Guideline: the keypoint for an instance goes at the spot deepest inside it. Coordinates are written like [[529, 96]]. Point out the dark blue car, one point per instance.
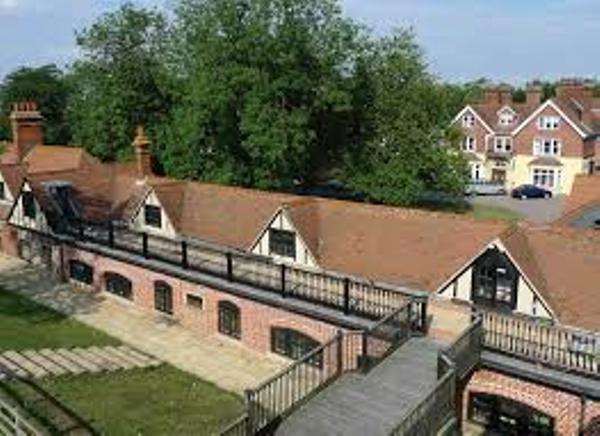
[[530, 191]]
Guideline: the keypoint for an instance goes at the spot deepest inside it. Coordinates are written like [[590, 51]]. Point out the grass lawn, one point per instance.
[[28, 325], [158, 401], [485, 212], [155, 401]]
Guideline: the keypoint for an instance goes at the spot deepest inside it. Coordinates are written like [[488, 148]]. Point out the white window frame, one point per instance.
[[548, 122], [468, 120], [476, 171], [503, 144], [547, 147], [506, 119], [552, 177], [469, 143]]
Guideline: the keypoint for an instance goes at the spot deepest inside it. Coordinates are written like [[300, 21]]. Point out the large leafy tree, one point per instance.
[[120, 81], [410, 152], [266, 90], [45, 85]]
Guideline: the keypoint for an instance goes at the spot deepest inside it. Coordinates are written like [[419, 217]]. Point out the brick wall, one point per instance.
[[565, 408], [256, 319]]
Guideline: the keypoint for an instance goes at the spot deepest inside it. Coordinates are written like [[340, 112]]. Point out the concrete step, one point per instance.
[[34, 369], [69, 365], [48, 365], [13, 367], [77, 359]]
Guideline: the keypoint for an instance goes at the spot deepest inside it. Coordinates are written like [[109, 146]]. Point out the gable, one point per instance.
[[551, 108], [19, 216], [282, 221], [139, 218], [468, 110]]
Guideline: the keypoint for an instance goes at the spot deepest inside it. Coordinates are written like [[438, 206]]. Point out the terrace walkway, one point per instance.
[[217, 360], [370, 404]]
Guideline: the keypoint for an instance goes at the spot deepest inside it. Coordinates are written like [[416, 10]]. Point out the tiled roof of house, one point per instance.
[[489, 114], [584, 195], [563, 265]]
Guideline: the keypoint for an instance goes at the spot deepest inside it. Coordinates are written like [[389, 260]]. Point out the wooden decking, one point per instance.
[[358, 405]]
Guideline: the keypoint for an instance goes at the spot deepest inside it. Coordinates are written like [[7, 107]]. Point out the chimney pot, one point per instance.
[[143, 155]]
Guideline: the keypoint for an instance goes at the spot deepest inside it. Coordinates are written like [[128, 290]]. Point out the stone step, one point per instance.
[[102, 359], [13, 367], [62, 361], [147, 359], [110, 353], [45, 363], [34, 369], [90, 359], [78, 360], [140, 362]]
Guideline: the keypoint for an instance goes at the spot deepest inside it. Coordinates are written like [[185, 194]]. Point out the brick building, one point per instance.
[[282, 274]]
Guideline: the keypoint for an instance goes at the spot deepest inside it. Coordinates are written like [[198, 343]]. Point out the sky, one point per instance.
[[503, 40]]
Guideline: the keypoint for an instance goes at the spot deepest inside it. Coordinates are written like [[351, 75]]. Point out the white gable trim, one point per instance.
[[505, 108], [554, 106], [469, 108], [498, 244], [281, 211], [167, 226]]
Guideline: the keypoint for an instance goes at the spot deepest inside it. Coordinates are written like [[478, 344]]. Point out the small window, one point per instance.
[[119, 285], [195, 301], [282, 243], [293, 344], [163, 297], [153, 216], [29, 205], [230, 320], [468, 120], [548, 123], [469, 144], [2, 191], [81, 272]]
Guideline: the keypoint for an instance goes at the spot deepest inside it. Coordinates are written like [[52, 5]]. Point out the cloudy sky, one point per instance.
[[511, 40]]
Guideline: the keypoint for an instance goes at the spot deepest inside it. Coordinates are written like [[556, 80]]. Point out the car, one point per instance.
[[530, 191], [480, 187]]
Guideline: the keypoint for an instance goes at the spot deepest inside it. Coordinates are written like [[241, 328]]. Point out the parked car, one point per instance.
[[482, 187], [530, 191]]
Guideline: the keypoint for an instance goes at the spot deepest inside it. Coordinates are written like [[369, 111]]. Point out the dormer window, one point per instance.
[[506, 119], [468, 120], [548, 123], [495, 281], [282, 243], [153, 216], [469, 144], [29, 209]]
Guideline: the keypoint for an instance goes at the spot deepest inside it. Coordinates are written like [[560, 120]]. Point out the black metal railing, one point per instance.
[[438, 408], [555, 346], [270, 402], [351, 295]]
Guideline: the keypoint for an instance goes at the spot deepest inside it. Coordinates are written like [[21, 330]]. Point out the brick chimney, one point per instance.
[[534, 94], [491, 95], [143, 155], [505, 93], [27, 129], [574, 88]]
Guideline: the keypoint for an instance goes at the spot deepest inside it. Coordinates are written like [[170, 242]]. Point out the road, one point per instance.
[[535, 210]]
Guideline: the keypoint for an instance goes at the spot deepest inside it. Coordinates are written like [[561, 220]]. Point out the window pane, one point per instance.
[[163, 297], [229, 320], [195, 301], [282, 243], [29, 205], [116, 284], [81, 272], [152, 216]]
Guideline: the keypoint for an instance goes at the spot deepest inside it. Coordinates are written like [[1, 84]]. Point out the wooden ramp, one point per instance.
[[371, 404]]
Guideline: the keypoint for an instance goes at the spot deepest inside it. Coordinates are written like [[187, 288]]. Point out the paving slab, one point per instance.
[[79, 360], [45, 363], [34, 369], [147, 360], [13, 367], [62, 361], [96, 355], [140, 363], [125, 363]]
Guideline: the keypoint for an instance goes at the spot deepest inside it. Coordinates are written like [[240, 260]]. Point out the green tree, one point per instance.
[[411, 151], [120, 81], [45, 85], [266, 90]]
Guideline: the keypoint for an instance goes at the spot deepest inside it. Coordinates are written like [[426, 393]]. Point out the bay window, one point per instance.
[[548, 178]]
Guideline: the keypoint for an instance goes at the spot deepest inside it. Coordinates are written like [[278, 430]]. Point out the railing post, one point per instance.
[[250, 409], [229, 267], [184, 255], [283, 280], [365, 351], [346, 296], [423, 316], [340, 352], [111, 234], [145, 244]]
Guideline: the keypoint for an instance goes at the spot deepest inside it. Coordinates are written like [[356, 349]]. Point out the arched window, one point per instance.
[[116, 284], [292, 343], [505, 416], [163, 297], [495, 281], [230, 320], [81, 272]]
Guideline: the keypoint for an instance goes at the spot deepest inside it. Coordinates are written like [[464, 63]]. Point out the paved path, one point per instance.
[[220, 361], [60, 362], [372, 404], [534, 210]]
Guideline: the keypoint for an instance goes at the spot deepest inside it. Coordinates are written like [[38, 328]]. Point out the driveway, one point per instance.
[[226, 364], [534, 210]]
